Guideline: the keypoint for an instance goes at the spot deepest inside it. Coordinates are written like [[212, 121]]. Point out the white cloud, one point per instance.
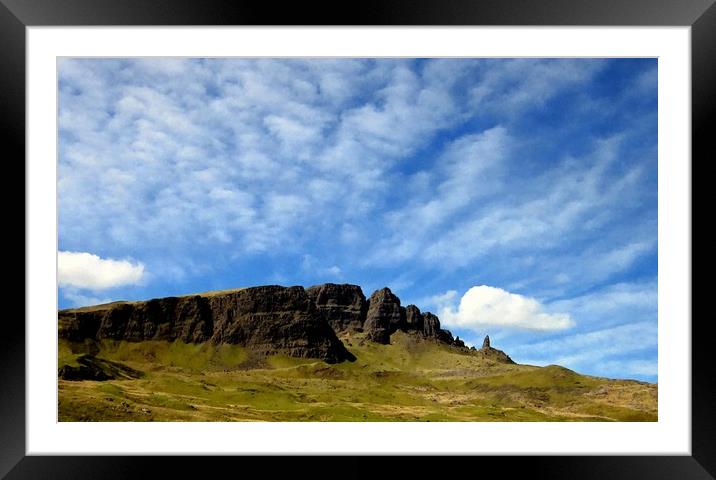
[[313, 267], [234, 158], [468, 170], [608, 350], [615, 304], [460, 213], [158, 145], [80, 300], [621, 368], [509, 87], [442, 301], [483, 306], [85, 270]]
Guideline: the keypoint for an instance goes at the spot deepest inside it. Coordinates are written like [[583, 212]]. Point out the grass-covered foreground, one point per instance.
[[409, 380]]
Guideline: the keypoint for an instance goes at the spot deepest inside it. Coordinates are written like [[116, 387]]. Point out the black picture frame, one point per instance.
[[16, 15]]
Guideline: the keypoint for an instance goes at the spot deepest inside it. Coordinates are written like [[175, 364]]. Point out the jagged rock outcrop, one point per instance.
[[344, 306], [267, 319], [445, 336], [431, 325], [413, 318], [384, 316], [492, 353]]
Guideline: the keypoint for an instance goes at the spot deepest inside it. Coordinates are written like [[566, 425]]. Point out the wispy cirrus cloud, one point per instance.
[[537, 176], [598, 350]]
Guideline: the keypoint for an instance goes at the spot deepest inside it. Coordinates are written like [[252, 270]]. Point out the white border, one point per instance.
[[670, 435]]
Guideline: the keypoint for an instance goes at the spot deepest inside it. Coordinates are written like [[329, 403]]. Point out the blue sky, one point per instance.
[[512, 197]]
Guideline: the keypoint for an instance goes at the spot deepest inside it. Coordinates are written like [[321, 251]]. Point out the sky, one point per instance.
[[511, 197]]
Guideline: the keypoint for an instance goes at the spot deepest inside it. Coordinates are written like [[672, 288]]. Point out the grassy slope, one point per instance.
[[410, 380]]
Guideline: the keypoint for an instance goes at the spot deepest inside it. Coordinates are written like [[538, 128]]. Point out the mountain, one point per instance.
[[275, 353], [268, 320]]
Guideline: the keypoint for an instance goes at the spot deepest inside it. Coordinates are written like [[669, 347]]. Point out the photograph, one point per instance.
[[355, 239]]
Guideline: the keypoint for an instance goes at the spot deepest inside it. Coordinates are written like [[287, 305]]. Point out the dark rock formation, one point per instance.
[[93, 368], [445, 336], [431, 325], [384, 316], [275, 319], [344, 306], [413, 318], [268, 320], [492, 353], [173, 318]]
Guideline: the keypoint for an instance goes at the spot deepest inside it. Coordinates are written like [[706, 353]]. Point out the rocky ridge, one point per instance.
[[268, 320]]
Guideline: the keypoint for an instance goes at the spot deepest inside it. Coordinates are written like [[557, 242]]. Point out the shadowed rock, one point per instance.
[[445, 336], [172, 318], [413, 318], [384, 316], [98, 369], [268, 320], [344, 306], [431, 325], [492, 353]]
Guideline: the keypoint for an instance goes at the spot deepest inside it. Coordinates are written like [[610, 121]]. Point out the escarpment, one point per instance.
[[344, 306], [384, 316], [347, 309], [267, 319]]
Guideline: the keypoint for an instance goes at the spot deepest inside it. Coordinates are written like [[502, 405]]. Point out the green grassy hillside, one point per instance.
[[409, 380]]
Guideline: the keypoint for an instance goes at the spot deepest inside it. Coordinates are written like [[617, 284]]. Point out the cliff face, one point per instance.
[[269, 319], [344, 306], [384, 315]]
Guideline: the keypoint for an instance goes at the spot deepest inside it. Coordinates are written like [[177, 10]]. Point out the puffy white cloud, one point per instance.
[[484, 306], [88, 271]]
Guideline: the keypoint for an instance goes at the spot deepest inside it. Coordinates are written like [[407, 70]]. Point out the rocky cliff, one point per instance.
[[384, 316], [344, 306], [268, 320]]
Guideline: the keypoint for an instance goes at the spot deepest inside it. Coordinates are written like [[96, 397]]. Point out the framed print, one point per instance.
[[418, 229]]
